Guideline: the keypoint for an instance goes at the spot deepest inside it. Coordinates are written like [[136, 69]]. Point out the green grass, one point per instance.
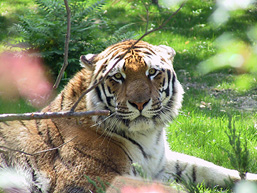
[[200, 128], [9, 11], [204, 136], [15, 106]]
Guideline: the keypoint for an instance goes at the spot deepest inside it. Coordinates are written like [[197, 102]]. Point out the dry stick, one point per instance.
[[147, 17], [66, 46], [48, 115], [131, 47], [36, 153]]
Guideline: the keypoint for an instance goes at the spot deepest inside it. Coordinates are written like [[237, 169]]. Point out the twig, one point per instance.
[[38, 152], [66, 46], [131, 47], [48, 115], [147, 17]]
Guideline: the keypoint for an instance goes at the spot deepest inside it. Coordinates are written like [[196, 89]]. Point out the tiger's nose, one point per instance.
[[139, 105]]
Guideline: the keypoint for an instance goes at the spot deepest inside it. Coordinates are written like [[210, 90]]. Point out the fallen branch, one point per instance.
[[131, 47], [50, 115], [36, 153]]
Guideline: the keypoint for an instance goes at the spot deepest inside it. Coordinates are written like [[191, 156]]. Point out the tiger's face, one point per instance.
[[141, 92]]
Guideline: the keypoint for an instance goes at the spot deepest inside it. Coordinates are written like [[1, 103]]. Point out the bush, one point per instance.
[[44, 29]]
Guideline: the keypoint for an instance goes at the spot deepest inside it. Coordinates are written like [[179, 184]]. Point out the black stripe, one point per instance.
[[108, 99], [104, 69], [62, 99], [147, 53], [99, 94], [194, 173], [109, 89], [37, 127], [159, 134], [122, 107], [124, 68], [49, 138], [74, 91], [159, 173], [167, 90], [22, 123], [81, 83], [73, 189], [4, 122], [174, 91], [178, 172], [173, 84], [118, 144], [130, 159], [34, 177], [58, 131], [146, 156], [124, 112], [163, 83], [126, 122], [134, 171]]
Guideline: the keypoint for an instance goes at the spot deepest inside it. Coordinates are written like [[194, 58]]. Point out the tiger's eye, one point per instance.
[[152, 71], [118, 76]]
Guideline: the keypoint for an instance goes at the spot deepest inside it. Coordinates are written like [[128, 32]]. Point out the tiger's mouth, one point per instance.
[[147, 113], [141, 118], [132, 120], [139, 122]]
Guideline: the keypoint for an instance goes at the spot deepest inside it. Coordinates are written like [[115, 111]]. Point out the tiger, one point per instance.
[[140, 89]]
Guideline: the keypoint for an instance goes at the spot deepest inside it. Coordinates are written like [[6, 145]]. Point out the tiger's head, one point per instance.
[[141, 92]]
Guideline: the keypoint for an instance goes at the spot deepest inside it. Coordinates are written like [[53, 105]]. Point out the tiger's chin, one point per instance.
[[139, 124]]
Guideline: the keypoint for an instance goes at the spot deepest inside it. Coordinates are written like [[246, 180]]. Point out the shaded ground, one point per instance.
[[229, 98]]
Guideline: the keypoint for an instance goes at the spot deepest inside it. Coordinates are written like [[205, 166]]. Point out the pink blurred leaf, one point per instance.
[[22, 75]]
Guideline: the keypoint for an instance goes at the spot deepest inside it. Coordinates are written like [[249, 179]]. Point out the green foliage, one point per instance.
[[140, 170], [191, 187], [99, 189], [15, 106], [239, 156], [45, 28]]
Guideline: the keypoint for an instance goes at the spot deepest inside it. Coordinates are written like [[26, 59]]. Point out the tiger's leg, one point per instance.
[[196, 170]]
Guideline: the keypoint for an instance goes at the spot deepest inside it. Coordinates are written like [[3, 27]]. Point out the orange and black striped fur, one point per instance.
[[142, 93]]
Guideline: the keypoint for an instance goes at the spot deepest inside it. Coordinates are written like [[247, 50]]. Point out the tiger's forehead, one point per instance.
[[133, 62], [142, 57]]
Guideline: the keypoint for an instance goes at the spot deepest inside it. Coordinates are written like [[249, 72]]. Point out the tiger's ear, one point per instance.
[[167, 51], [87, 61]]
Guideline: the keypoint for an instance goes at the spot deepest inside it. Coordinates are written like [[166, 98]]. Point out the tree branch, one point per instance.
[[48, 115], [131, 47], [66, 46], [147, 16]]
